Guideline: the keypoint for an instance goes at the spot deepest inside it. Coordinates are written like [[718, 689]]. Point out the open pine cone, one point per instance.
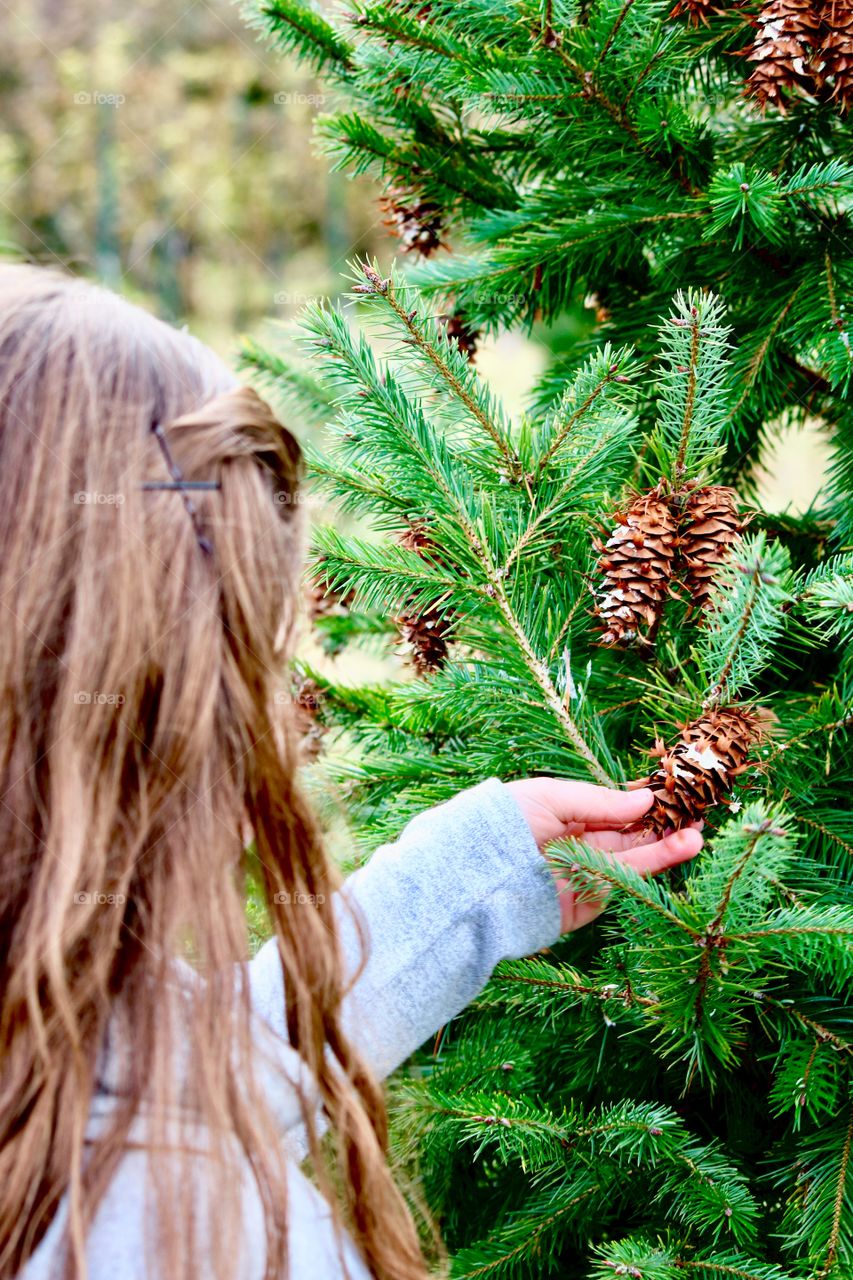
[[307, 699], [788, 32], [416, 221], [697, 10], [637, 564], [836, 18], [699, 771], [426, 635], [711, 526]]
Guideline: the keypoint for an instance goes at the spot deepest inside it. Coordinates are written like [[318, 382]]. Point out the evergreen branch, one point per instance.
[[583, 863], [692, 386], [529, 1243], [825, 831], [513, 973], [600, 373], [745, 618], [293, 26], [591, 89], [614, 31], [745, 1271], [838, 1206], [712, 940], [761, 354], [839, 324], [747, 611], [690, 398], [640, 1259], [287, 380], [386, 290], [822, 1034], [565, 629], [794, 931], [540, 673]]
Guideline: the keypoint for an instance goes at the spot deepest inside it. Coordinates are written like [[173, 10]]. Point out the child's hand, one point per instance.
[[555, 809]]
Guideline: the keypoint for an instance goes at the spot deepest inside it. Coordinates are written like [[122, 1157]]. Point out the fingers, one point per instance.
[[650, 859], [584, 802], [616, 841]]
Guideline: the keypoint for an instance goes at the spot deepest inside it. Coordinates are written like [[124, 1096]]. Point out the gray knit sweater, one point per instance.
[[463, 887]]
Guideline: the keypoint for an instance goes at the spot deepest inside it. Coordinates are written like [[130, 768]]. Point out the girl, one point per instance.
[[158, 1092]]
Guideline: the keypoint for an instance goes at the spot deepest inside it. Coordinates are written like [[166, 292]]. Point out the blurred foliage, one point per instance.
[[169, 155]]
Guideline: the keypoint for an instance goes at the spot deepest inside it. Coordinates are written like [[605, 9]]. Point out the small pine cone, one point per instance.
[[416, 221], [697, 11], [637, 563], [711, 526], [427, 637], [788, 33], [465, 336], [417, 537], [700, 770], [307, 699], [837, 51]]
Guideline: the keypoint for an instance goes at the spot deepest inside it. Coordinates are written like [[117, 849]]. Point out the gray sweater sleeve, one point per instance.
[[463, 888]]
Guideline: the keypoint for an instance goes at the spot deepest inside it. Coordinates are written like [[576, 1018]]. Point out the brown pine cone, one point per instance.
[[307, 699], [836, 41], [700, 770], [417, 222], [697, 11], [425, 635], [637, 564], [710, 528], [783, 51]]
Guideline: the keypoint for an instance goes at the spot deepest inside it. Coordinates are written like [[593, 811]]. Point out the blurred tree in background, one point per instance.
[[169, 155]]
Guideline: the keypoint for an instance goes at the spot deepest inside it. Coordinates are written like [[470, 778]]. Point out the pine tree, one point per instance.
[[668, 1092], [614, 150]]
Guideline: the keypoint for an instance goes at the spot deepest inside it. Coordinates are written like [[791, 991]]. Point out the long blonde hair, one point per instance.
[[142, 669]]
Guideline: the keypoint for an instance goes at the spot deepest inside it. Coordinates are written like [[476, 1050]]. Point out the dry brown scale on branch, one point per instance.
[[417, 222], [307, 699], [637, 564], [711, 527], [464, 335], [700, 770]]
